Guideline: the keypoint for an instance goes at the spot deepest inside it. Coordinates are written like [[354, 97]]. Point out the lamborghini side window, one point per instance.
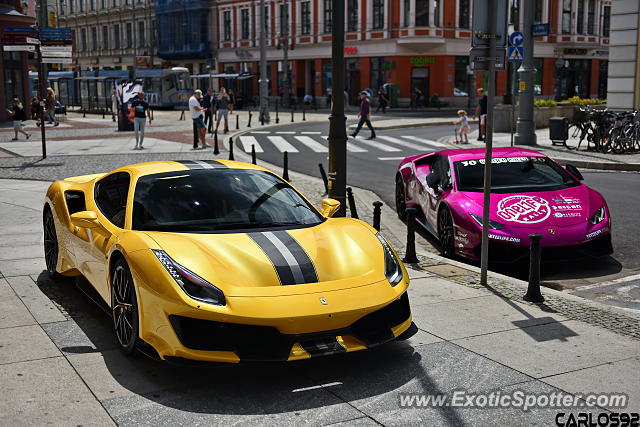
[[111, 197], [441, 167]]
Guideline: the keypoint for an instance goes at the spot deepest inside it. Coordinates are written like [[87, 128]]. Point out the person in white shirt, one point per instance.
[[197, 113]]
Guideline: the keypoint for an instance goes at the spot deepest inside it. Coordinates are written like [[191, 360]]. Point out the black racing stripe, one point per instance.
[[190, 164], [279, 263], [298, 252], [216, 164]]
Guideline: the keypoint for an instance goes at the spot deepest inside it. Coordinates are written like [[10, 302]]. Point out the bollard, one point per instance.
[[410, 255], [103, 110], [376, 214], [262, 119], [533, 290], [285, 167], [237, 122], [231, 148], [352, 204], [277, 118], [249, 123], [152, 114], [291, 116], [304, 118], [253, 154], [216, 150], [84, 113], [323, 174]]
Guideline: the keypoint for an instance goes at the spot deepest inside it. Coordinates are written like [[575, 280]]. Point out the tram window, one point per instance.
[[151, 84], [182, 81], [169, 83]]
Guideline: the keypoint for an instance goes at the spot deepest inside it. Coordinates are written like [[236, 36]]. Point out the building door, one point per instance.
[[420, 80], [352, 80]]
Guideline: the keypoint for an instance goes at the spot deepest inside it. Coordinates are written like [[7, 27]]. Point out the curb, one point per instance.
[[414, 125]]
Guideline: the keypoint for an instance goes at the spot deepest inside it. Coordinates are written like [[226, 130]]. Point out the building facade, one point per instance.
[[110, 34], [624, 53], [14, 66], [410, 44]]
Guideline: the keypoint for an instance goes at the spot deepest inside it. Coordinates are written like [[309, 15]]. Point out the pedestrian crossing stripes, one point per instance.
[[292, 143]]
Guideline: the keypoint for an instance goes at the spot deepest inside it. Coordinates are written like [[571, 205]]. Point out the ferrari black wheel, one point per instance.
[[401, 201], [445, 232], [124, 306], [50, 242]]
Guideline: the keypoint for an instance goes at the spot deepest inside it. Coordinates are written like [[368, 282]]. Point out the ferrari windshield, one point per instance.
[[513, 174], [211, 200]]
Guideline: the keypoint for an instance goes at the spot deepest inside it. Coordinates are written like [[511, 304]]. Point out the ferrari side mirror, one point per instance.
[[329, 207], [85, 219], [574, 171], [433, 180]]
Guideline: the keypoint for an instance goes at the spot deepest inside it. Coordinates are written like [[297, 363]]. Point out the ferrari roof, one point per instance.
[[150, 168]]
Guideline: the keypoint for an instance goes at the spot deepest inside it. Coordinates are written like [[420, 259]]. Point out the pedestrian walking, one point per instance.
[[114, 105], [232, 101], [481, 110], [18, 115], [35, 109], [141, 111], [365, 115], [50, 106], [417, 97], [207, 102], [223, 103], [346, 101], [382, 101], [196, 115], [462, 127], [306, 101], [328, 92]]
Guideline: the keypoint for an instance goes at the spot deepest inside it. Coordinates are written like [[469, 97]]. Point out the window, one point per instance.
[[111, 197], [116, 36], [305, 12], [378, 14], [61, 7], [266, 20], [436, 13], [284, 19], [352, 15], [461, 78], [514, 14], [580, 17], [606, 21], [422, 13], [591, 17], [92, 4], [103, 4], [244, 24], [81, 2], [328, 15], [141, 38], [72, 4], [116, 3], [566, 16], [463, 14], [94, 38], [538, 11], [406, 10], [378, 72], [105, 37], [129, 34], [83, 39], [226, 23]]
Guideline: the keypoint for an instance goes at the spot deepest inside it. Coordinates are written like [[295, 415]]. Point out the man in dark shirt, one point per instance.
[[365, 115], [140, 113], [481, 110], [207, 102]]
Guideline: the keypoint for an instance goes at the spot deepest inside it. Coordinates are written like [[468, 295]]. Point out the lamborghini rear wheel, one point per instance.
[[445, 232], [401, 201], [124, 306], [50, 242]]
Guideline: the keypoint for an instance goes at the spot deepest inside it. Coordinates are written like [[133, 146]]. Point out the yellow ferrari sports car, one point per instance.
[[225, 261]]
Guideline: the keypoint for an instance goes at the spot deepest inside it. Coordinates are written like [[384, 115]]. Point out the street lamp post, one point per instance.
[[337, 120], [526, 128], [264, 80]]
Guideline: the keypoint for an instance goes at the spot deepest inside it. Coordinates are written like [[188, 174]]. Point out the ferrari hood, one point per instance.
[[549, 208], [339, 253]]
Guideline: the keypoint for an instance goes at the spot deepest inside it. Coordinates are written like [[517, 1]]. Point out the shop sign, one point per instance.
[[350, 50], [571, 51], [421, 61]]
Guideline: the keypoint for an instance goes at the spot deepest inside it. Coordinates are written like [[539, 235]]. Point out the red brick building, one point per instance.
[[409, 43]]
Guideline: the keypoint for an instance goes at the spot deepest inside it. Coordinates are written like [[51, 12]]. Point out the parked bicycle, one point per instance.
[[605, 131]]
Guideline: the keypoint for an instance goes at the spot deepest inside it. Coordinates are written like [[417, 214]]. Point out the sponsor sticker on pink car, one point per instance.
[[524, 209]]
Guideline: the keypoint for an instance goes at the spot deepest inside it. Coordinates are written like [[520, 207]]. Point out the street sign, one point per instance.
[[31, 40], [49, 33], [540, 30], [516, 53], [516, 38], [47, 60], [19, 48], [480, 25], [25, 30], [50, 50], [479, 59], [57, 54]]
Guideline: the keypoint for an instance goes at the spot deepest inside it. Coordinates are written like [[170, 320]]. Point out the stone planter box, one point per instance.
[[541, 116]]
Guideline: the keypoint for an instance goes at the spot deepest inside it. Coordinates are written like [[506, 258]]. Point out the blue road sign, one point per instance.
[[516, 53], [17, 29], [516, 38], [540, 30], [49, 33]]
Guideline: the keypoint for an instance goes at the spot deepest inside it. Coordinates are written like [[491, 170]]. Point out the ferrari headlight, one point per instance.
[[597, 217], [193, 285], [492, 224], [392, 268]]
